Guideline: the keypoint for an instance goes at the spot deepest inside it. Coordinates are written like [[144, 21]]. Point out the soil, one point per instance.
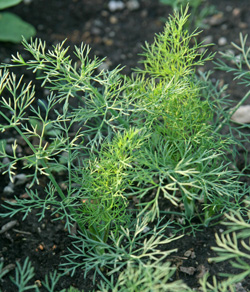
[[118, 36]]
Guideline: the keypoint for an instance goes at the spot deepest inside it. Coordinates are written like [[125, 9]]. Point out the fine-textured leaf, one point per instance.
[[12, 28]]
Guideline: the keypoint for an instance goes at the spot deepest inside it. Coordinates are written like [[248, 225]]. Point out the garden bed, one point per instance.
[[117, 35]]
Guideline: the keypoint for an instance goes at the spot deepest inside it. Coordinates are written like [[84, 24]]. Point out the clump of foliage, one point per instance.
[[153, 136], [238, 230], [233, 244], [147, 278]]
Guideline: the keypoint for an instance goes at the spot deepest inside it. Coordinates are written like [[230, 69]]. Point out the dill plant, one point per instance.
[[184, 159], [150, 136], [233, 244], [144, 278]]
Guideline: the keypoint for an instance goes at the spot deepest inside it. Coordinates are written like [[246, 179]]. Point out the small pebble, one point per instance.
[[144, 13], [133, 5], [98, 23], [115, 5], [229, 52], [40, 27], [96, 31], [243, 25], [229, 8], [9, 149], [240, 288], [224, 26], [7, 60], [123, 57], [222, 41], [112, 34], [108, 42], [104, 66], [104, 13], [242, 115], [146, 229], [46, 92], [20, 179], [216, 19], [113, 19], [237, 59], [236, 12], [19, 149], [6, 161], [8, 190], [208, 40], [10, 140]]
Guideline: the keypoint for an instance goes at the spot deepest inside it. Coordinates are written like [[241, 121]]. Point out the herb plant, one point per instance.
[[24, 274], [153, 136], [144, 278], [233, 244], [134, 246]]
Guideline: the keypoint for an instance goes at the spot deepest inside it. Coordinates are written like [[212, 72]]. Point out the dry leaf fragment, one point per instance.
[[7, 269], [239, 288], [188, 270], [8, 226], [24, 196], [202, 270], [216, 19], [38, 283], [188, 253]]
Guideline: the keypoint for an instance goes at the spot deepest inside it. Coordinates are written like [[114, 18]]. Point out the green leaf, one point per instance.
[[8, 3], [12, 28]]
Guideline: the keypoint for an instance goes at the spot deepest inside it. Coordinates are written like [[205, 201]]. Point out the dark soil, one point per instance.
[[118, 36]]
